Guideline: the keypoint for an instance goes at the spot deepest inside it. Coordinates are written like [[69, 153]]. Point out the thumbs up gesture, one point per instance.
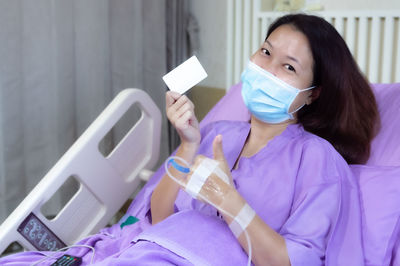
[[218, 184], [219, 156]]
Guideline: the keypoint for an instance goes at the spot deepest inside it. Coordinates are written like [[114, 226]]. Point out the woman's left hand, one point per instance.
[[215, 189]]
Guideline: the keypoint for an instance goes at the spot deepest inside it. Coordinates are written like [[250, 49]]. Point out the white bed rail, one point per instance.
[[105, 182], [373, 37]]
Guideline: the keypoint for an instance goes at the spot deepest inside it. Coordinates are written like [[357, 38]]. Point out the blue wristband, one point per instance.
[[178, 167]]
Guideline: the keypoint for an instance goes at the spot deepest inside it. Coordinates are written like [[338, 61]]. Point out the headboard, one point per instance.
[[372, 37]]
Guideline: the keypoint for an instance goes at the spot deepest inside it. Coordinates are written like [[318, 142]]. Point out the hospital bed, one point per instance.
[[107, 182]]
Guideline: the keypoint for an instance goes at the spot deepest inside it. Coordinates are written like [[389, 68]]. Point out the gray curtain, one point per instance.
[[182, 43], [62, 61]]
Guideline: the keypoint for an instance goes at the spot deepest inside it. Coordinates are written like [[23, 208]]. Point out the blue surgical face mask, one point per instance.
[[267, 97]]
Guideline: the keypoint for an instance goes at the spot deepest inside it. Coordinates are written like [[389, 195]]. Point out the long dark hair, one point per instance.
[[345, 113]]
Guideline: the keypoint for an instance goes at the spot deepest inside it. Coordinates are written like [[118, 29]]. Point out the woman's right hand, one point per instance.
[[180, 112]]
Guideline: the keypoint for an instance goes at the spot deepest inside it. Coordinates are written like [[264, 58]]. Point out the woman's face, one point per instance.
[[287, 54]]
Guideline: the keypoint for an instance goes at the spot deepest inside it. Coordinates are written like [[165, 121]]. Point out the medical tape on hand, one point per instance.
[[242, 220], [221, 174], [199, 176]]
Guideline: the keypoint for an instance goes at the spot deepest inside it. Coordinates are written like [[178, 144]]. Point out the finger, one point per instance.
[[217, 149], [171, 105], [185, 115], [183, 122], [219, 156], [175, 99], [181, 101], [172, 109], [171, 97], [182, 110]]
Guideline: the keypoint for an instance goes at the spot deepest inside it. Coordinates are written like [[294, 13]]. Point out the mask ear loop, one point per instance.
[[298, 108], [171, 161]]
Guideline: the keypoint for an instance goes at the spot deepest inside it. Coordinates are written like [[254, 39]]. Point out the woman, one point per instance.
[[333, 101], [312, 114]]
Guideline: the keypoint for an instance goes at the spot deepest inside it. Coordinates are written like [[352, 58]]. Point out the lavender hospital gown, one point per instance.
[[298, 184]]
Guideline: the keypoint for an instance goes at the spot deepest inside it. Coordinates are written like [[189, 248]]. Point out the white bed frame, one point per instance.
[[105, 182]]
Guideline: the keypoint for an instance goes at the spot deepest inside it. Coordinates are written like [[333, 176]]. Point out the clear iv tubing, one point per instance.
[[206, 200]]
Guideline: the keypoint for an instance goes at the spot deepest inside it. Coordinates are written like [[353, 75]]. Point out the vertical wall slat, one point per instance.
[[261, 21], [230, 56], [246, 32], [387, 63], [361, 43], [238, 39], [339, 25], [329, 18], [351, 34], [264, 26], [374, 50], [256, 25]]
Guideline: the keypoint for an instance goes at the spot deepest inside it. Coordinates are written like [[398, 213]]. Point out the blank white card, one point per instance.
[[185, 76]]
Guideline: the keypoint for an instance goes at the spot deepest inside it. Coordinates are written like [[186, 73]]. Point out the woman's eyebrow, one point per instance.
[[266, 41], [294, 59]]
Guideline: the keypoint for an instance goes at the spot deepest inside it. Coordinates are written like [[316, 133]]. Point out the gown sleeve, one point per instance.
[[315, 207]]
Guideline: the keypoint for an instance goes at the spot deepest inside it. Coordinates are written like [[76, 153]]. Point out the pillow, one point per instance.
[[230, 107], [385, 147], [380, 200]]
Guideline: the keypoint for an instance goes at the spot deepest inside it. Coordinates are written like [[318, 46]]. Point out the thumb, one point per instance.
[[217, 149]]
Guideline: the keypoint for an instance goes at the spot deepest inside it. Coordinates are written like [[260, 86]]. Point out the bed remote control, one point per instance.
[[68, 260]]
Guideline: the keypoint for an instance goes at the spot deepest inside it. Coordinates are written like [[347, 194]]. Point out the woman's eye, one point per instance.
[[290, 67], [265, 51]]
